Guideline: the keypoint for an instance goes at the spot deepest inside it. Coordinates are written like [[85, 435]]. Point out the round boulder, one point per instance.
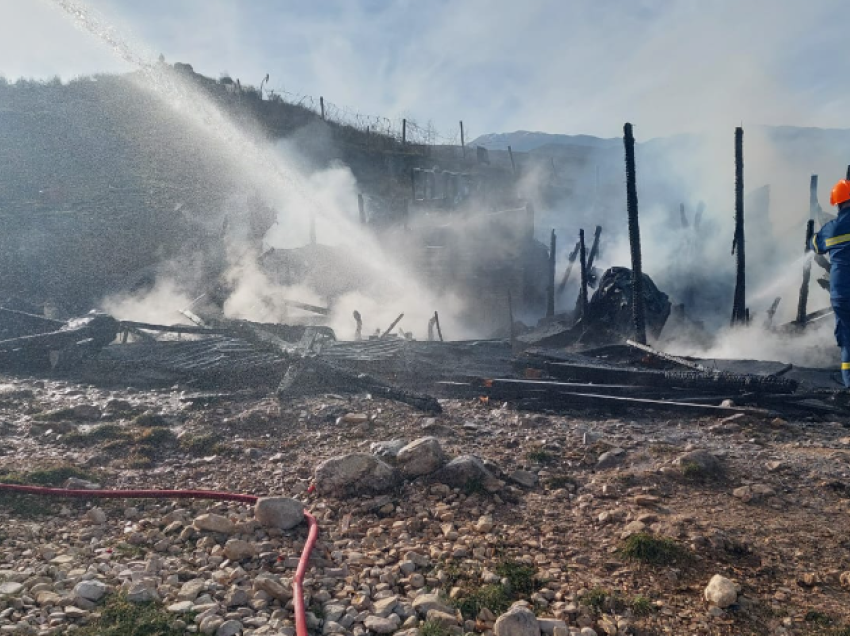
[[517, 621], [721, 592], [354, 474], [278, 512], [421, 457]]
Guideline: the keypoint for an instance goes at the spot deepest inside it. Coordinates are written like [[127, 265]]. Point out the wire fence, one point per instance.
[[399, 130]]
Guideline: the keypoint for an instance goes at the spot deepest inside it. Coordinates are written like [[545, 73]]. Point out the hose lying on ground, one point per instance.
[[297, 583]]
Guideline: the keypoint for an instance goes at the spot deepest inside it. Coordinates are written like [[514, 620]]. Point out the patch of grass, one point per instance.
[[818, 618], [562, 481], [646, 548], [56, 416], [52, 476], [432, 628], [522, 578], [692, 471], [839, 488], [838, 631], [201, 445], [105, 432], [494, 597], [149, 420], [641, 606], [130, 551], [595, 598], [540, 456], [119, 617], [156, 437], [474, 487]]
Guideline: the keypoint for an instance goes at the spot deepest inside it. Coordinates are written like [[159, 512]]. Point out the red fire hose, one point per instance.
[[297, 583]]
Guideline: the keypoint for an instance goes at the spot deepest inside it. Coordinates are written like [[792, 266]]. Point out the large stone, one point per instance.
[[48, 598], [421, 457], [229, 628], [209, 624], [388, 449], [517, 621], [181, 607], [381, 625], [271, 586], [424, 603], [237, 549], [442, 617], [721, 592], [279, 512], [610, 459], [93, 590], [190, 590], [700, 460], [212, 522], [141, 592], [524, 478], [385, 606], [467, 471], [10, 589], [549, 625], [96, 517], [356, 473]]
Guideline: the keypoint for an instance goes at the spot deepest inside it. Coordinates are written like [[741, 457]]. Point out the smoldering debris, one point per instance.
[[291, 361]]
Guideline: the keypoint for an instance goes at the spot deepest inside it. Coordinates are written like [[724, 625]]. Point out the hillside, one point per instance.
[[102, 177]]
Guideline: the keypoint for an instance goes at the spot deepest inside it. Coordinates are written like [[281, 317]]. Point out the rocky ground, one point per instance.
[[568, 524]]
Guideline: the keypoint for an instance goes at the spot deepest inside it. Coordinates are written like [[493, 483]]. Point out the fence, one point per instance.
[[401, 131]]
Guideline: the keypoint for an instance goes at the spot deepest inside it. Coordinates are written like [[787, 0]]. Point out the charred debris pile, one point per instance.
[[230, 356], [595, 357]]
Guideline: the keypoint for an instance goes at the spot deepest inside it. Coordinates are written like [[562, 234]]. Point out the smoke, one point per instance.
[[160, 304], [693, 90]]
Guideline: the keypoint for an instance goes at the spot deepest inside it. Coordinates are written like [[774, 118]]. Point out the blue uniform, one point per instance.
[[834, 238]]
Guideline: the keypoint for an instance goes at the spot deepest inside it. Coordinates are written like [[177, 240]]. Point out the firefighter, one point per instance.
[[834, 239]]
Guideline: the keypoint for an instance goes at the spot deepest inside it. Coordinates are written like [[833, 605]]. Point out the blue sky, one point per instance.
[[568, 66]]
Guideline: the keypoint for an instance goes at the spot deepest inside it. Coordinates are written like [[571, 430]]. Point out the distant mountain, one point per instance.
[[525, 141]]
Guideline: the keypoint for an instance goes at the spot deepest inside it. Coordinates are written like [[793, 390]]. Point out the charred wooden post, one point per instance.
[[571, 259], [437, 325], [513, 165], [698, 214], [771, 312], [462, 142], [511, 319], [322, 106], [392, 326], [550, 284], [583, 287], [802, 303], [813, 197], [358, 330], [682, 217], [403, 132], [634, 236], [362, 209], [739, 306], [431, 322], [594, 252]]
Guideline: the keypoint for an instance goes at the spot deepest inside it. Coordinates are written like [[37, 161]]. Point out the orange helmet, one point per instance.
[[840, 193]]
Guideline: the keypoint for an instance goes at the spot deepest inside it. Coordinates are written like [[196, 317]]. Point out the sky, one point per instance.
[[559, 66]]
